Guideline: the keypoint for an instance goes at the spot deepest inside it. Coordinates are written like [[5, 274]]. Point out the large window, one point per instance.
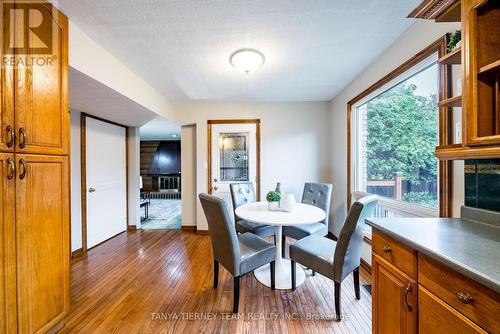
[[394, 133]]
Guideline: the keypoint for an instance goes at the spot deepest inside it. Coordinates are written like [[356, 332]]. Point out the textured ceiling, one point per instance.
[[313, 48], [160, 129]]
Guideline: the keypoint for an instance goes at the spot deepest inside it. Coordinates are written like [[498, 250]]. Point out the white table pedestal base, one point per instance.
[[283, 278], [283, 275]]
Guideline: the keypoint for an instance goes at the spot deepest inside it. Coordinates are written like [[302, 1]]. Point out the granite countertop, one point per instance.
[[466, 246]]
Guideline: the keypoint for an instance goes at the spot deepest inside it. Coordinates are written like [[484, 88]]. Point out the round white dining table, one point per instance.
[[257, 212]]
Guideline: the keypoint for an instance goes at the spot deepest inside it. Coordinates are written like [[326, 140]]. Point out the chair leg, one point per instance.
[[313, 273], [216, 274], [283, 246], [273, 276], [294, 273], [236, 298], [355, 274], [337, 300]]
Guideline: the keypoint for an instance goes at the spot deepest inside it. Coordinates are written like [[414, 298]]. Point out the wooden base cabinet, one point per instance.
[[435, 316], [394, 299], [8, 302], [414, 293], [42, 212]]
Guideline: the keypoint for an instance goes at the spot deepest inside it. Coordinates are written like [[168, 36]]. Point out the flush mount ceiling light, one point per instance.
[[247, 60]]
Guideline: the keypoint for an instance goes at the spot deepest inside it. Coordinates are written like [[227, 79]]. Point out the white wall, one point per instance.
[[188, 172], [415, 39], [133, 176], [76, 198], [295, 141]]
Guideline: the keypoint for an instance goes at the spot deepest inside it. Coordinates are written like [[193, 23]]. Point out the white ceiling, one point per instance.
[[160, 129], [313, 48]]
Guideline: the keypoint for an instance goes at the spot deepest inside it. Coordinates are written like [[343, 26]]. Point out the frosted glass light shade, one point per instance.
[[247, 60]]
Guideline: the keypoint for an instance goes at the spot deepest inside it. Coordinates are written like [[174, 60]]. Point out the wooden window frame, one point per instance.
[[445, 167]]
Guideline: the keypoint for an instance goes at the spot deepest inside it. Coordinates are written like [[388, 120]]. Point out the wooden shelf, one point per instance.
[[458, 152], [451, 102], [452, 58], [493, 68]]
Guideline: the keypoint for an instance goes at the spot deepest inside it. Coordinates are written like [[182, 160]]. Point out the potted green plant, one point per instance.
[[455, 40], [273, 200]]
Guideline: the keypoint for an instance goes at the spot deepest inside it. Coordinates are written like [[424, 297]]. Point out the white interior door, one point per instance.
[[106, 181], [234, 157]]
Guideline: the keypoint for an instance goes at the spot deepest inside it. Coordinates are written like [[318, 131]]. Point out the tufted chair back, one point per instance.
[[319, 195], [348, 250], [225, 246], [242, 193]]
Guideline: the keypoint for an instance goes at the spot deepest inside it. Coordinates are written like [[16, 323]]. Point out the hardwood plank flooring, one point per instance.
[[161, 282]]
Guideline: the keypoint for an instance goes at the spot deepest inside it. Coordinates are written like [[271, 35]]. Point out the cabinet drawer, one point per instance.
[[435, 316], [471, 299], [395, 253]]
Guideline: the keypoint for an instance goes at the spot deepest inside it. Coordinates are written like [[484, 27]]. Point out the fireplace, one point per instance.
[[169, 184]]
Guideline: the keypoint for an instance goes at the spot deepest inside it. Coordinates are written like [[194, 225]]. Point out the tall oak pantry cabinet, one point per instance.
[[34, 174]]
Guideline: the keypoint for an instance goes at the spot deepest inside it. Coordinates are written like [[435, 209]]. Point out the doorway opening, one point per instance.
[[161, 178]]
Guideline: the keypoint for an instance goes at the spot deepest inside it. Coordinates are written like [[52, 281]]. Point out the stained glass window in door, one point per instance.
[[233, 149]]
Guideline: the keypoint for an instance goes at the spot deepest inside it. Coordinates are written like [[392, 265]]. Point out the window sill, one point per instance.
[[399, 208]]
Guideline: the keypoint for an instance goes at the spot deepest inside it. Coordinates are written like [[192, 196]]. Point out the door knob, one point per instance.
[[91, 190], [216, 188]]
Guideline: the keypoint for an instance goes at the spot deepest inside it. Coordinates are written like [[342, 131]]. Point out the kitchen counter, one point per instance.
[[467, 246]]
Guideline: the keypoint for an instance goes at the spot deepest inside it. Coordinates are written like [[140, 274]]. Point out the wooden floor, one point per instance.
[[161, 282]]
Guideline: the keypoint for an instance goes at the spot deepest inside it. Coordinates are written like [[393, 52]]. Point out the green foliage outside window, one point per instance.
[[402, 137]]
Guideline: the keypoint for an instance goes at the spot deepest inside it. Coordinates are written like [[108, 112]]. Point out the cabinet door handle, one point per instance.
[[12, 136], [22, 163], [407, 291], [23, 138], [387, 249], [12, 169], [464, 297]]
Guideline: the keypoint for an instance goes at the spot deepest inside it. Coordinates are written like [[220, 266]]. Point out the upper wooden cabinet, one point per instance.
[[41, 107], [480, 62], [439, 10], [481, 71], [7, 126]]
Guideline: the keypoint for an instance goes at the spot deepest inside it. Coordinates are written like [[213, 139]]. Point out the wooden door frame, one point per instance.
[[83, 175], [257, 138], [445, 167]]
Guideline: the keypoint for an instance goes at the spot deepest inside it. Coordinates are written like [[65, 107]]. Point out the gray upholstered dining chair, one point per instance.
[[336, 259], [242, 193], [239, 254], [319, 195]]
